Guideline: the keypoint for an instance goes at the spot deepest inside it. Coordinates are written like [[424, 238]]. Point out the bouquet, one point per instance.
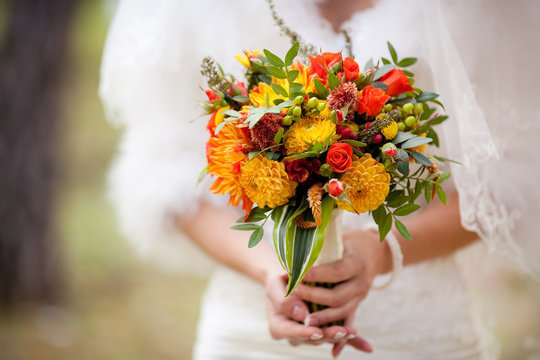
[[298, 141]]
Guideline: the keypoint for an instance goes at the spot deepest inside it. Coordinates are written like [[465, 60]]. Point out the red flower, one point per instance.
[[397, 82], [335, 188], [351, 69], [320, 63], [212, 95], [239, 86], [371, 100], [339, 157], [211, 126], [300, 170]]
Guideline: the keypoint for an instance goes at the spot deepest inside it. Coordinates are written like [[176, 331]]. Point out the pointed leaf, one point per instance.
[[392, 51], [280, 90], [406, 209], [274, 59], [408, 61], [279, 135], [321, 89], [403, 230], [421, 158], [293, 74], [291, 54], [383, 70], [277, 72], [256, 237], [416, 141], [245, 227], [403, 167], [333, 81], [402, 136]]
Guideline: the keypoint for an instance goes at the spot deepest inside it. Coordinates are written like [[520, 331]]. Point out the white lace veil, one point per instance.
[[483, 56]]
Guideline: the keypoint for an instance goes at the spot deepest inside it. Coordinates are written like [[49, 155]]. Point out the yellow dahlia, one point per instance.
[[367, 185], [308, 131], [266, 182], [226, 153], [390, 131], [263, 91]]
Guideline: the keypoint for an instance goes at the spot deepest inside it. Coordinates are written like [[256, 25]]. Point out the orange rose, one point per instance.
[[371, 100], [351, 69], [339, 157], [397, 82], [320, 63]]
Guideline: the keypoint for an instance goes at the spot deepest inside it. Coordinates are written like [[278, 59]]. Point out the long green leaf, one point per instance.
[[306, 245]]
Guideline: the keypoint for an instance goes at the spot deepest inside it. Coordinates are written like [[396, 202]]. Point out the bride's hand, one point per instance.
[[285, 315], [363, 258]]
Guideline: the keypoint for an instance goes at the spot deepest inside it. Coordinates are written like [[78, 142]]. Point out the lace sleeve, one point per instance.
[[487, 75]]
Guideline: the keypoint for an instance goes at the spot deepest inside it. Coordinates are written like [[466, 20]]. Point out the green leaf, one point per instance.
[[231, 113], [379, 85], [443, 159], [295, 87], [379, 214], [427, 192], [406, 209], [278, 101], [439, 119], [280, 90], [321, 89], [415, 141], [385, 61], [403, 230], [284, 104], [385, 226], [383, 71], [440, 193], [397, 202], [277, 72], [354, 143], [408, 73], [245, 227], [401, 155], [421, 158], [292, 75], [403, 167], [369, 64], [333, 81], [444, 176], [272, 155], [392, 51], [279, 135], [408, 61], [426, 96], [274, 59], [402, 136], [256, 237], [242, 99], [291, 54], [433, 134]]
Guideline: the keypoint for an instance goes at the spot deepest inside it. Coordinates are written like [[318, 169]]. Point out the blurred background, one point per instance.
[[72, 288]]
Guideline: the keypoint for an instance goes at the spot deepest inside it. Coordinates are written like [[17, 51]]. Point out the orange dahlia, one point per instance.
[[367, 185], [226, 153], [266, 182]]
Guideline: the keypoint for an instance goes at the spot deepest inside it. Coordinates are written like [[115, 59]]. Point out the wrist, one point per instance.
[[382, 255]]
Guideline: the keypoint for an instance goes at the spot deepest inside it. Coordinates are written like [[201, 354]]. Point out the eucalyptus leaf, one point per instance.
[[383, 71], [403, 167], [426, 96], [415, 141], [402, 136], [369, 64], [379, 85], [232, 113], [421, 158]]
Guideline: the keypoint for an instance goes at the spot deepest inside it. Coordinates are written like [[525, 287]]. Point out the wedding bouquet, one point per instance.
[[298, 140]]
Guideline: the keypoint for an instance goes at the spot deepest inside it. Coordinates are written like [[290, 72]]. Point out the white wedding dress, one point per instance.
[[151, 87]]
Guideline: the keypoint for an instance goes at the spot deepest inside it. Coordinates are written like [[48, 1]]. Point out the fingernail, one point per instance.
[[351, 336], [311, 321], [340, 335], [316, 336], [297, 312]]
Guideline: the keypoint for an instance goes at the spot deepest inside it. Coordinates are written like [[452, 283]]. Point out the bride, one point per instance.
[[150, 85]]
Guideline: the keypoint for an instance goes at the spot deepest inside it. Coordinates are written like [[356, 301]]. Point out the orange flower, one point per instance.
[[339, 157], [351, 69], [320, 64], [371, 100], [226, 153], [397, 82]]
